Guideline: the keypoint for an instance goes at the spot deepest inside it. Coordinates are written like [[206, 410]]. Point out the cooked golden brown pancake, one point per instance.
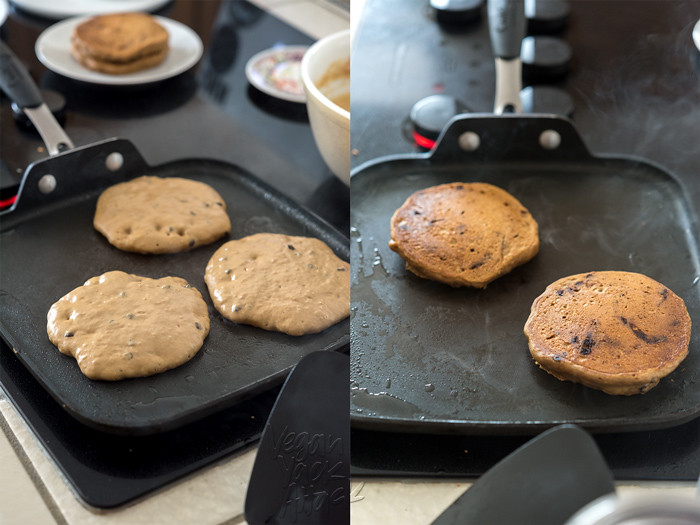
[[619, 332], [120, 43], [119, 68], [463, 234]]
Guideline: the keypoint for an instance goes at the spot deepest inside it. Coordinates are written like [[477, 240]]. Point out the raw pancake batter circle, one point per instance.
[[289, 284], [156, 215], [119, 325]]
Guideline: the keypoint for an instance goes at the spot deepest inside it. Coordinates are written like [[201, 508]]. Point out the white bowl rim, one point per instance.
[[306, 78]]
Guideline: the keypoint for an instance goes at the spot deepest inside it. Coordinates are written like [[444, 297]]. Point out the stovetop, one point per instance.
[[631, 87], [632, 77], [209, 112]]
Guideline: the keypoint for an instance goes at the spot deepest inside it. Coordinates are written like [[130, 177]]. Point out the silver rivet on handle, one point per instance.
[[469, 141], [114, 161], [47, 184], [550, 139]]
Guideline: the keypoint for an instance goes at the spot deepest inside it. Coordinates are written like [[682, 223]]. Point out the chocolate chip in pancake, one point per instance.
[[284, 283], [463, 234], [619, 332], [118, 325], [161, 215]]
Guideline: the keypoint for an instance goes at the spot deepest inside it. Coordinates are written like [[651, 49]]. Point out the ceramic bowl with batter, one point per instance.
[[325, 72]]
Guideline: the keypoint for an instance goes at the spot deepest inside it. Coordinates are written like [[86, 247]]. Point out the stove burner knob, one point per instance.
[[546, 16], [547, 99], [544, 59], [430, 115], [457, 12]]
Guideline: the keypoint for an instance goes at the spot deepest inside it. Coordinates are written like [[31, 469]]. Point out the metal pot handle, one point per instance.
[[16, 82]]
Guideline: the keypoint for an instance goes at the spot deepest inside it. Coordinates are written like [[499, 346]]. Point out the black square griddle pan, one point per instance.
[[48, 247], [429, 358]]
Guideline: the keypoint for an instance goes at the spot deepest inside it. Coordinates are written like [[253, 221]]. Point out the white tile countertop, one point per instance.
[[420, 501], [33, 491]]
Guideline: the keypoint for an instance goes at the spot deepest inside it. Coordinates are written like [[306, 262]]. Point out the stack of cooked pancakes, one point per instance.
[[120, 43]]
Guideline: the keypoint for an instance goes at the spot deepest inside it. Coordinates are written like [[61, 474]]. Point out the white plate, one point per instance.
[[277, 72], [696, 35], [53, 50], [58, 9]]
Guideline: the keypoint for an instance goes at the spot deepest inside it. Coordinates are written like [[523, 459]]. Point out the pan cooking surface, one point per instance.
[[430, 358], [50, 251]]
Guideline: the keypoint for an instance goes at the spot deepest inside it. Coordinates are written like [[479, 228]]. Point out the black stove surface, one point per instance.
[[209, 112], [108, 470], [633, 82], [632, 77]]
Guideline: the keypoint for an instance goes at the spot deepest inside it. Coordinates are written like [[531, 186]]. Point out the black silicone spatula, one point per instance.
[[302, 469], [545, 481]]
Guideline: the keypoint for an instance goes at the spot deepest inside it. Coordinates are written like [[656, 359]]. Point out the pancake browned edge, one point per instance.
[[120, 43], [619, 332], [463, 234]]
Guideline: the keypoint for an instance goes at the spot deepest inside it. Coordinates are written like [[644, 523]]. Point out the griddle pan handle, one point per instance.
[[481, 137], [507, 29], [16, 82]]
